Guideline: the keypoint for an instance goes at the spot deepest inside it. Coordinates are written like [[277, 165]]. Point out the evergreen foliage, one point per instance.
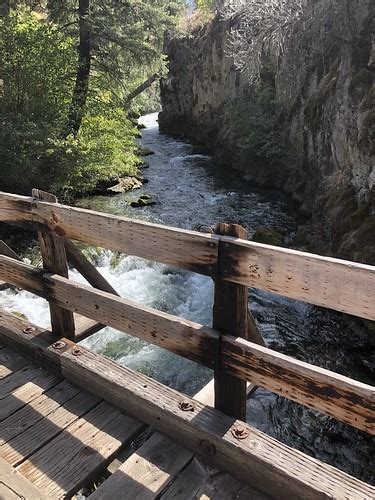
[[55, 133]]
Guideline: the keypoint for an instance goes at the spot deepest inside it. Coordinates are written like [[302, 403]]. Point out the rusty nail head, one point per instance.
[[186, 406], [59, 344], [29, 329], [77, 351], [240, 432]]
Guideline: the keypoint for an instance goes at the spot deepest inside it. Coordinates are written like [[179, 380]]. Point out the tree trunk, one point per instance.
[[81, 88], [141, 88]]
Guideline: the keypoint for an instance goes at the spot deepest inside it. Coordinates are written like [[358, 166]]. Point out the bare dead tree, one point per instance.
[[261, 28]]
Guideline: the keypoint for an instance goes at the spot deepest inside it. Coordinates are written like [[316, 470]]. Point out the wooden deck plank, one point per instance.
[[200, 481], [13, 486], [18, 379], [145, 476], [11, 361], [268, 464], [20, 448], [36, 410], [77, 453], [29, 390], [153, 465]]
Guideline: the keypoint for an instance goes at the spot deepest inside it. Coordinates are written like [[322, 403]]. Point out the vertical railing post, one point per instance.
[[230, 317], [54, 261]]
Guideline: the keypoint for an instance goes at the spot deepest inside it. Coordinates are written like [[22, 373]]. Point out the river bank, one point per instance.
[[191, 190]]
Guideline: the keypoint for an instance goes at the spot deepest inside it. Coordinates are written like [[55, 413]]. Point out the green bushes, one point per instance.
[[37, 65], [254, 119]]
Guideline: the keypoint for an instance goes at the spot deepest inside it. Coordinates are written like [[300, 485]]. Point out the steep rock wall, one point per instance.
[[325, 85]]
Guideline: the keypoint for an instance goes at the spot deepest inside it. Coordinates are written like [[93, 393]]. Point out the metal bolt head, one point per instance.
[[186, 406], [77, 351], [239, 432], [29, 329], [59, 344]]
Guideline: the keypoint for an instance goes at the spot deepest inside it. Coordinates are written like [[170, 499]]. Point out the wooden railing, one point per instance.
[[232, 347]]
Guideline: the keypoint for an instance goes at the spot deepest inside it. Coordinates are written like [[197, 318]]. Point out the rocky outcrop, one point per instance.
[[324, 87]]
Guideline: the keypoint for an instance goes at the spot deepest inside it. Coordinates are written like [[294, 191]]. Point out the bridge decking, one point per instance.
[[64, 423], [59, 437]]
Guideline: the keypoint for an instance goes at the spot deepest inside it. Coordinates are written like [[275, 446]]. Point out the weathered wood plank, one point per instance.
[[230, 316], [183, 337], [178, 247], [54, 261], [20, 421], [146, 473], [85, 327], [10, 361], [258, 459], [144, 477], [13, 486], [345, 286], [6, 250], [58, 469], [55, 417], [343, 398], [199, 481], [88, 270], [29, 390]]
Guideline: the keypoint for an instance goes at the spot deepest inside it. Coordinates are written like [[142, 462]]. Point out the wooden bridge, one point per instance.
[[69, 416]]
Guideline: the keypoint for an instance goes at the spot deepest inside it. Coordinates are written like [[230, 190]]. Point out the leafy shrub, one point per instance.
[[254, 118], [37, 66]]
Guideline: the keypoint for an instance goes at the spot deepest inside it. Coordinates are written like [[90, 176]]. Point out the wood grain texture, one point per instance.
[[76, 454], [153, 466], [13, 486], [85, 327], [20, 421], [54, 261], [88, 270], [259, 459], [230, 316], [192, 340], [178, 247], [28, 390], [6, 250], [10, 362], [147, 471], [55, 417], [338, 396], [336, 284], [262, 461], [200, 481]]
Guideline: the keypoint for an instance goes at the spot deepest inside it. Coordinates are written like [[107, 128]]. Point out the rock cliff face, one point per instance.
[[325, 89]]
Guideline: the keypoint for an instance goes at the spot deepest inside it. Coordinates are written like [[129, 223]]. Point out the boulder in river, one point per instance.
[[125, 184], [143, 201]]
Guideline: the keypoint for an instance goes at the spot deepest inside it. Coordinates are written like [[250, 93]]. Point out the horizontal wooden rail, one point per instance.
[[191, 340], [178, 247], [344, 286], [345, 399], [269, 465], [335, 395]]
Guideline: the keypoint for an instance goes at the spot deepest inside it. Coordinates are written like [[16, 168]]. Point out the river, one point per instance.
[[190, 190]]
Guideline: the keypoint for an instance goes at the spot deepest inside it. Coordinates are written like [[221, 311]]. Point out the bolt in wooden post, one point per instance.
[[230, 318], [54, 261]]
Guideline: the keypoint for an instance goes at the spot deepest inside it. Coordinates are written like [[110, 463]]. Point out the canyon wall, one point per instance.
[[324, 85]]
